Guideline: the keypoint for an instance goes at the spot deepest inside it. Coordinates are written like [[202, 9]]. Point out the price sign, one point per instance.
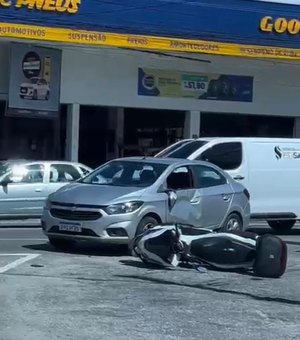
[[194, 84]]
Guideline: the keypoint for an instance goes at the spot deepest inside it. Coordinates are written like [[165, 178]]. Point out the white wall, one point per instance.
[[109, 77]]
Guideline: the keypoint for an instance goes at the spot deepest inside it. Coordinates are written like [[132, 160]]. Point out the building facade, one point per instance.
[[126, 78]]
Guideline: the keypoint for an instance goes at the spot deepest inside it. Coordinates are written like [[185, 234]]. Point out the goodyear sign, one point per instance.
[[280, 25], [60, 6]]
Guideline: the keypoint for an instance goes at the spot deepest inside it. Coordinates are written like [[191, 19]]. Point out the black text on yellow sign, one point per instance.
[[280, 25], [60, 6]]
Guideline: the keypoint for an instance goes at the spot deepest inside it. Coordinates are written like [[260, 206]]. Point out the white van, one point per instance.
[[268, 167]]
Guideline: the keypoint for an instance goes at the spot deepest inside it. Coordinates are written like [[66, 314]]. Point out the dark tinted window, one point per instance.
[[186, 150], [206, 177], [175, 146], [227, 156]]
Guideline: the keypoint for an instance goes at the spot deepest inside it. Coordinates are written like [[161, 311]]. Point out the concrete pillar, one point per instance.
[[116, 128], [192, 124], [296, 132], [72, 142]]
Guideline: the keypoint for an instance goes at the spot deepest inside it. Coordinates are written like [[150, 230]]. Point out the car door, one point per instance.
[[61, 174], [25, 193], [213, 196], [181, 195]]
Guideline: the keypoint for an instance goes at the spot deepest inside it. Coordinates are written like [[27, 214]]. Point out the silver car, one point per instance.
[[125, 196], [25, 185]]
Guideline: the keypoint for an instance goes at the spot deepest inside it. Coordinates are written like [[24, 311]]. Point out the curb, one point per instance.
[[32, 224]]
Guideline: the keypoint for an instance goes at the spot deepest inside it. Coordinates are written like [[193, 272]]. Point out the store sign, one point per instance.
[[59, 6], [284, 2], [280, 25], [163, 83], [34, 87]]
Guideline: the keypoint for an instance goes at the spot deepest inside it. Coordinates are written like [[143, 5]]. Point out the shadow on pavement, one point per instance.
[[90, 250], [140, 264], [267, 230], [211, 287]]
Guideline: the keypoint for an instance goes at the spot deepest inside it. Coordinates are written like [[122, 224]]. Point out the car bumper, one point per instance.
[[116, 229]]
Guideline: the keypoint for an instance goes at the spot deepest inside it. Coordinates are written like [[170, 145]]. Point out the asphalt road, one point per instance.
[[104, 294]]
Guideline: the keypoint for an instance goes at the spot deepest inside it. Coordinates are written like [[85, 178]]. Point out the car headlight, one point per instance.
[[123, 208], [47, 204]]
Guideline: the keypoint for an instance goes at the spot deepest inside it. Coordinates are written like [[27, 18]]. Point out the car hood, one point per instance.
[[93, 194]]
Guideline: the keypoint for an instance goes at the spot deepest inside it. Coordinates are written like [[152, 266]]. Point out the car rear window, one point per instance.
[[186, 150]]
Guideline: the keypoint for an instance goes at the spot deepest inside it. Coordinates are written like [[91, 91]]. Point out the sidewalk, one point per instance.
[[30, 223]]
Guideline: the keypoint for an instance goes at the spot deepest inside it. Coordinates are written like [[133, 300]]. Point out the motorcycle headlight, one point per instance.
[[123, 208]]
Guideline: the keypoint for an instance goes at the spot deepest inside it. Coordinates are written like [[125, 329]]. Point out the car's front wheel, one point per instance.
[[60, 243], [146, 223]]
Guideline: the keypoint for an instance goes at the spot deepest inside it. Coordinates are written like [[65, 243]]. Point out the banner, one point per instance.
[[202, 86], [34, 86]]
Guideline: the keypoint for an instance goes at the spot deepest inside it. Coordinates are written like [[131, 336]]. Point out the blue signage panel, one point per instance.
[[238, 21]]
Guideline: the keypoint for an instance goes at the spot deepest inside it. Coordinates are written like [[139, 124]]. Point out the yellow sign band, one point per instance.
[[91, 38]]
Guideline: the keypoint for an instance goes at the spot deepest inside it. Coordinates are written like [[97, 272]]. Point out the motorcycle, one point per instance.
[[171, 245]]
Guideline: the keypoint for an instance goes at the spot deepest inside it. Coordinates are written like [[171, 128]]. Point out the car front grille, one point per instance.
[[75, 215]]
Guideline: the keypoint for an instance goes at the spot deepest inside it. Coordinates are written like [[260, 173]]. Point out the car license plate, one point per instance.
[[74, 227]]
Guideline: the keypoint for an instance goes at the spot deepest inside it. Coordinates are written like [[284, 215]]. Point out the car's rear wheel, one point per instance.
[[233, 222], [60, 243], [47, 95], [282, 226]]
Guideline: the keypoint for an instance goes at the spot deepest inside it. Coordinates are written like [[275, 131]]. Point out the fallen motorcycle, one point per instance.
[[170, 245]]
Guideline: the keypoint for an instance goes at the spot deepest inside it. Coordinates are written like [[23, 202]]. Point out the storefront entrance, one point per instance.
[[29, 138], [239, 125], [146, 132], [94, 136]]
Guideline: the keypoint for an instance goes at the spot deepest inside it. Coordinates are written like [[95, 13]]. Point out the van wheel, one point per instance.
[[146, 223], [282, 226], [233, 222]]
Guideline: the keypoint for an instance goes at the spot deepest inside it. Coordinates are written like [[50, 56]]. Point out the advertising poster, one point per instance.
[[34, 86], [202, 86]]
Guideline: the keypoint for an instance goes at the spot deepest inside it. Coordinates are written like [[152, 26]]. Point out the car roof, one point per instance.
[[166, 161]]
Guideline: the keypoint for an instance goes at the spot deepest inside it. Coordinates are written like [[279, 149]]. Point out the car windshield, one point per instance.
[[34, 80], [175, 146], [185, 150], [126, 174]]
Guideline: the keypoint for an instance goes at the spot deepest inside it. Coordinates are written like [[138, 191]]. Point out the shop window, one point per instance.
[[227, 156], [63, 173]]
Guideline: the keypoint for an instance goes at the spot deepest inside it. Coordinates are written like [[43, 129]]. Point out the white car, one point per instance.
[[37, 88]]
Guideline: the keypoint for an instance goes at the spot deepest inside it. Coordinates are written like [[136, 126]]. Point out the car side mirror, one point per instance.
[[172, 198], [5, 181]]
